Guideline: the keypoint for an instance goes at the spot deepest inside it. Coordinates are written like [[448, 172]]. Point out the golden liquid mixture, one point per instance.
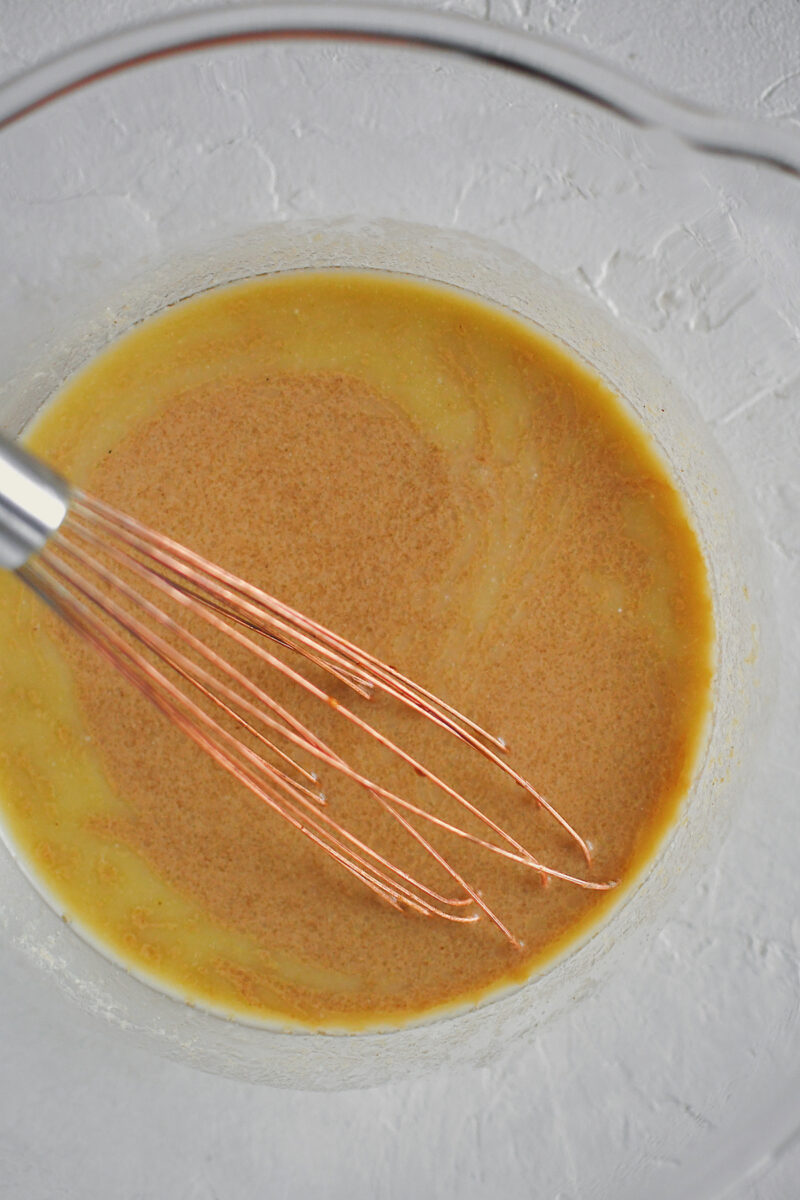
[[440, 484]]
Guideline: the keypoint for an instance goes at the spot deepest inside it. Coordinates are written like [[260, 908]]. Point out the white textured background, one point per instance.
[[85, 1117]]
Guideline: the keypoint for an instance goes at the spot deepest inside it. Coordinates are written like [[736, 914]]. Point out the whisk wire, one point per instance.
[[518, 852], [79, 572], [176, 701], [206, 575], [190, 718]]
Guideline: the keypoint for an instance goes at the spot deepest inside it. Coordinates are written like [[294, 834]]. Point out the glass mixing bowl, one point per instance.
[[173, 157]]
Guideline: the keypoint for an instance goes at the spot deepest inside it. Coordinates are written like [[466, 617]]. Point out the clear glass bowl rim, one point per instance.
[[539, 58]]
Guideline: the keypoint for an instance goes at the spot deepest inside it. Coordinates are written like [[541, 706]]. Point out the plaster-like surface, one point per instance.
[[85, 1115]]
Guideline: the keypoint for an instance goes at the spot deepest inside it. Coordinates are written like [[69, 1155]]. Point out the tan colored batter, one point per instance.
[[432, 479]]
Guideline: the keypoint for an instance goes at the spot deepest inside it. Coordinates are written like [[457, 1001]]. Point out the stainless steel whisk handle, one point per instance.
[[33, 502]]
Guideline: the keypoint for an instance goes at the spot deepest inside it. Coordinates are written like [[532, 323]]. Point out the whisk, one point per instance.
[[91, 564]]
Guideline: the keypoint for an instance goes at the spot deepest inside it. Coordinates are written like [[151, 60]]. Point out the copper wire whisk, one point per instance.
[[91, 564]]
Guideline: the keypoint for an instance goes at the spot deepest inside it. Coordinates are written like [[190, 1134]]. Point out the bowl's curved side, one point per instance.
[[558, 64]]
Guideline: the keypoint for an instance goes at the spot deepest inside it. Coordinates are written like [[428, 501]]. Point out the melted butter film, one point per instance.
[[436, 481]]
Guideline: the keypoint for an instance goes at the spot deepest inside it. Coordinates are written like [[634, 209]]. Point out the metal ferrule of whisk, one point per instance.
[[34, 501]]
